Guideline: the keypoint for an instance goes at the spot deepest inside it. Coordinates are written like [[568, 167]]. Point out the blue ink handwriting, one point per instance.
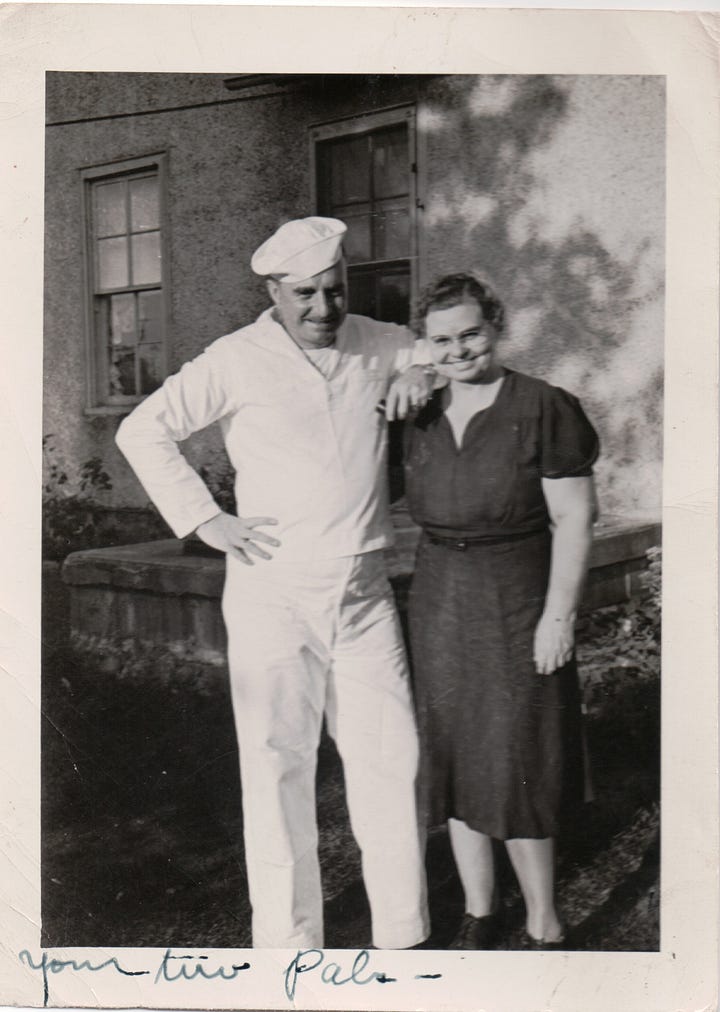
[[49, 964], [178, 966], [308, 960], [184, 972]]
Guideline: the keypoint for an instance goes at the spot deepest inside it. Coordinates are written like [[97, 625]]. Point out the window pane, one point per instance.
[[362, 294], [122, 320], [356, 242], [122, 373], [144, 204], [381, 293], [394, 297], [129, 355], [390, 163], [151, 362], [112, 263], [349, 169], [146, 258], [102, 356], [391, 225], [110, 208], [150, 317]]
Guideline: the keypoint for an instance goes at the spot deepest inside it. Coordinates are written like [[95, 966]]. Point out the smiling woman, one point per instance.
[[461, 333], [499, 476]]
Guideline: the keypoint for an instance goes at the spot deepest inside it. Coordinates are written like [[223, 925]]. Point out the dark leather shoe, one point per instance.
[[539, 944], [476, 933]]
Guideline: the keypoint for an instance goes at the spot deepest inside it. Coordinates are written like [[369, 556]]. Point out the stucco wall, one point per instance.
[[229, 184], [553, 187]]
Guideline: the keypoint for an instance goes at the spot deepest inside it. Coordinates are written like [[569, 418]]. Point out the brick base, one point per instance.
[[167, 593]]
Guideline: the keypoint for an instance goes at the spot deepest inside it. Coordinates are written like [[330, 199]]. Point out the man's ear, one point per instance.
[[273, 287]]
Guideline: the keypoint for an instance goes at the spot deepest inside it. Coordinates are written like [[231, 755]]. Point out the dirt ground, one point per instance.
[[142, 826]]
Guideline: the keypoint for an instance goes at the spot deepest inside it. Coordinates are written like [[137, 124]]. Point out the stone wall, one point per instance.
[[166, 595]]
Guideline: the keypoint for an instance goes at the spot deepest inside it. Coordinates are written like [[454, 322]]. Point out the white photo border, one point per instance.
[[35, 38]]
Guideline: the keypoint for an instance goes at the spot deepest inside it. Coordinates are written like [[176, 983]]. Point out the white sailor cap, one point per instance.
[[300, 249]]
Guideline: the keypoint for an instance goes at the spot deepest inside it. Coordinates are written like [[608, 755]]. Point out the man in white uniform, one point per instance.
[[312, 626]]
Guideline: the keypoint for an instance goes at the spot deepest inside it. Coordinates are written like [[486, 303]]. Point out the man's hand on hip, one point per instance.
[[411, 390], [236, 536]]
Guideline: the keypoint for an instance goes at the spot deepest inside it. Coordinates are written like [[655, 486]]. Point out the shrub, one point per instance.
[[620, 645], [71, 510], [220, 479]]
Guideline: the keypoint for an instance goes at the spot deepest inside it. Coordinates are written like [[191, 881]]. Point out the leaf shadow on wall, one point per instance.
[[583, 312]]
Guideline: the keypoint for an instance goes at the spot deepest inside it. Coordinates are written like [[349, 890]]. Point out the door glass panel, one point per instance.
[[392, 230], [349, 170], [394, 297], [357, 242], [146, 258], [112, 263], [110, 209], [390, 163], [361, 298], [144, 204]]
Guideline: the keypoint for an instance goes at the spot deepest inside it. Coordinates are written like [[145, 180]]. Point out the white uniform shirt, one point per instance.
[[309, 447]]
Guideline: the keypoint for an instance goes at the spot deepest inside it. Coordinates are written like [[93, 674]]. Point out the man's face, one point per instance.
[[312, 310]]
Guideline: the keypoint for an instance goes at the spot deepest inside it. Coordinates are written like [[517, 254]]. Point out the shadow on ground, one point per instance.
[[142, 831]]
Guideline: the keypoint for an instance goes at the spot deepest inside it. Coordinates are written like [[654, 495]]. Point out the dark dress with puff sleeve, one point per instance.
[[501, 746]]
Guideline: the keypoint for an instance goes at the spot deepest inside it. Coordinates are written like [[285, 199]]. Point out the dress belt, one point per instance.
[[462, 544]]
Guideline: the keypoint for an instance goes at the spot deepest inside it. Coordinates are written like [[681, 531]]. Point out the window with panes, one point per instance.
[[365, 176], [127, 292]]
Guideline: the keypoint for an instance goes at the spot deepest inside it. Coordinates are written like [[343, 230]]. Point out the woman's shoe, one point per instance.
[[476, 933], [539, 944]]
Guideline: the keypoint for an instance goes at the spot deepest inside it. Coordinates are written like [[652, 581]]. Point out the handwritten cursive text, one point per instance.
[[308, 960]]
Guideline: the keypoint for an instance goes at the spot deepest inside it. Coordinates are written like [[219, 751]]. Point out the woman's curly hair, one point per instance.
[[451, 290]]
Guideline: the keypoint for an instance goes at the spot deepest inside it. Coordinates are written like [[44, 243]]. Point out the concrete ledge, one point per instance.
[[169, 567], [167, 593]]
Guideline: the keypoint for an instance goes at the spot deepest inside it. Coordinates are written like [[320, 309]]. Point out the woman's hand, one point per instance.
[[236, 536], [410, 390], [572, 506], [554, 643]]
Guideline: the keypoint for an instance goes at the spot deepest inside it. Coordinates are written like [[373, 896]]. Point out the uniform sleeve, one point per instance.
[[188, 401], [569, 443]]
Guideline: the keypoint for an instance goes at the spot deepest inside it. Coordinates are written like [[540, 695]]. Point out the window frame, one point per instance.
[[96, 400], [364, 123]]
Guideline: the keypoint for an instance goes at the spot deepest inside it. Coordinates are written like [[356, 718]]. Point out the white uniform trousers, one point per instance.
[[307, 639]]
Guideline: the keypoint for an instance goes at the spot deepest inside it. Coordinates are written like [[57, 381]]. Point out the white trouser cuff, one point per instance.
[[402, 935]]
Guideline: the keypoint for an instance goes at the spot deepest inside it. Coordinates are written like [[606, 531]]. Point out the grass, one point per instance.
[[142, 826]]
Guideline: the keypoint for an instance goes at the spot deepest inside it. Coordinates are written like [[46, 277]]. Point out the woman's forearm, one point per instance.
[[572, 539], [572, 507]]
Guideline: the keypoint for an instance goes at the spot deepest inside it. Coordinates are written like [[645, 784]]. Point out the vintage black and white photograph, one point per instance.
[[250, 281], [371, 664]]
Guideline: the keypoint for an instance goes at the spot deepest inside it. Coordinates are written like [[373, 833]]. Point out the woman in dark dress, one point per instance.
[[499, 476]]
